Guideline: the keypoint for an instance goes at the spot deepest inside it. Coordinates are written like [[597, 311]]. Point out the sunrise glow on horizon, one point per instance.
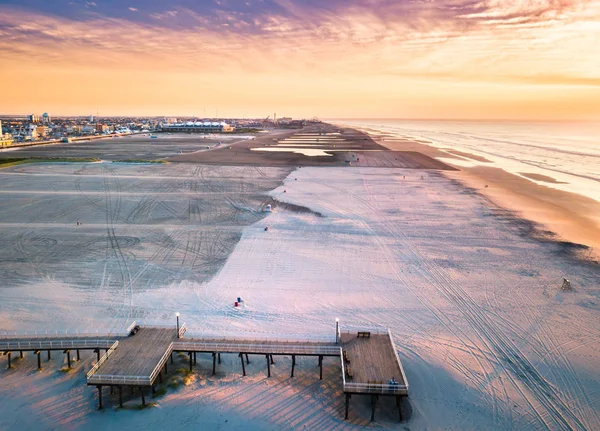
[[335, 59]]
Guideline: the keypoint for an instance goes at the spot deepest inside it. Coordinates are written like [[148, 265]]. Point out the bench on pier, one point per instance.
[[363, 334], [346, 359]]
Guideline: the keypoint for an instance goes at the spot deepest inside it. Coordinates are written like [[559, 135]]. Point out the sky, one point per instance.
[[468, 59]]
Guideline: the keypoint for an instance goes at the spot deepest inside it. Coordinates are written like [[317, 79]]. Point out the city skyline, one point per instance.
[[353, 59]]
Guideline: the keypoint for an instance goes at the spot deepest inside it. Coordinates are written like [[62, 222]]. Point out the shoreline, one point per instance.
[[557, 215]]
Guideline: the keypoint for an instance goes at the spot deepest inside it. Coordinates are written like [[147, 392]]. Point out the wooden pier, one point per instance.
[[369, 363], [370, 366]]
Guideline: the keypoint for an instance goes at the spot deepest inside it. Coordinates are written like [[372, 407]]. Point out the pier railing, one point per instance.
[[48, 344], [161, 363], [182, 330], [16, 335], [371, 388], [118, 380], [398, 359], [250, 337], [249, 346], [374, 330], [102, 360], [375, 388]]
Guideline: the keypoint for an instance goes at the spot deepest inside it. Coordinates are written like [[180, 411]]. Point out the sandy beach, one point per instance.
[[470, 293], [558, 215]]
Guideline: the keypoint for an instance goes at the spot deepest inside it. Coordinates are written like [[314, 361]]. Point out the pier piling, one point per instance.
[[320, 367], [243, 365], [348, 396], [293, 365], [99, 397]]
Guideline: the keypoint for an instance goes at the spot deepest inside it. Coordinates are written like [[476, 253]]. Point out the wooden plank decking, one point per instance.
[[136, 358], [372, 362], [369, 361]]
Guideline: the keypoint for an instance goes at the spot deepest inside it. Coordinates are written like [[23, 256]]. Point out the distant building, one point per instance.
[[46, 118], [91, 118], [42, 131], [33, 118], [171, 120], [101, 128], [197, 127], [5, 139], [31, 132]]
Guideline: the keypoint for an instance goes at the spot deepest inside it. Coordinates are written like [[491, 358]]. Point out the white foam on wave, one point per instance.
[[566, 152]]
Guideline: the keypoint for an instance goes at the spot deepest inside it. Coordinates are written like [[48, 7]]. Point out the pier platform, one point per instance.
[[369, 361], [137, 359]]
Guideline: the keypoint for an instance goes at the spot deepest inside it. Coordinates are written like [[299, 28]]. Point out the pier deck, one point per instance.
[[137, 358], [370, 363]]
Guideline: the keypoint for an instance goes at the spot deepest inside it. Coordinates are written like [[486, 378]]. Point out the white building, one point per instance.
[[197, 127]]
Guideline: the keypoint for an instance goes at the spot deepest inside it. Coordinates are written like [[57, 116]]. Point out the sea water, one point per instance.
[[568, 152]]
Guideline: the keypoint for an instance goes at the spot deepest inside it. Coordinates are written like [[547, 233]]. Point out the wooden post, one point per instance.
[[373, 403], [9, 365], [399, 405], [347, 404], [293, 365], [21, 354], [214, 363], [194, 358], [166, 369], [268, 366], [38, 353], [320, 367], [171, 361], [160, 376], [99, 397], [78, 357], [68, 352], [272, 361], [247, 360], [121, 396], [49, 355], [97, 354], [143, 399], [153, 390], [190, 353], [243, 366], [219, 356]]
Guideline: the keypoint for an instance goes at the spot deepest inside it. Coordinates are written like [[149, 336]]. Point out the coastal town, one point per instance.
[[44, 128]]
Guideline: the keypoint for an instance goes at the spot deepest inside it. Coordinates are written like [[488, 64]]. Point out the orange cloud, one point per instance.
[[351, 61]]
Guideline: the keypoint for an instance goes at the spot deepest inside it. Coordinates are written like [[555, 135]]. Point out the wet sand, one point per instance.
[[362, 150], [558, 215], [573, 218], [539, 177]]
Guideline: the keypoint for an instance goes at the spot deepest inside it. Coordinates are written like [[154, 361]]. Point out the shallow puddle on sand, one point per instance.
[[305, 151]]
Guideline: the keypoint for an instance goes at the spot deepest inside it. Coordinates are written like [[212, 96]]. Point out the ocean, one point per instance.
[[567, 152]]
